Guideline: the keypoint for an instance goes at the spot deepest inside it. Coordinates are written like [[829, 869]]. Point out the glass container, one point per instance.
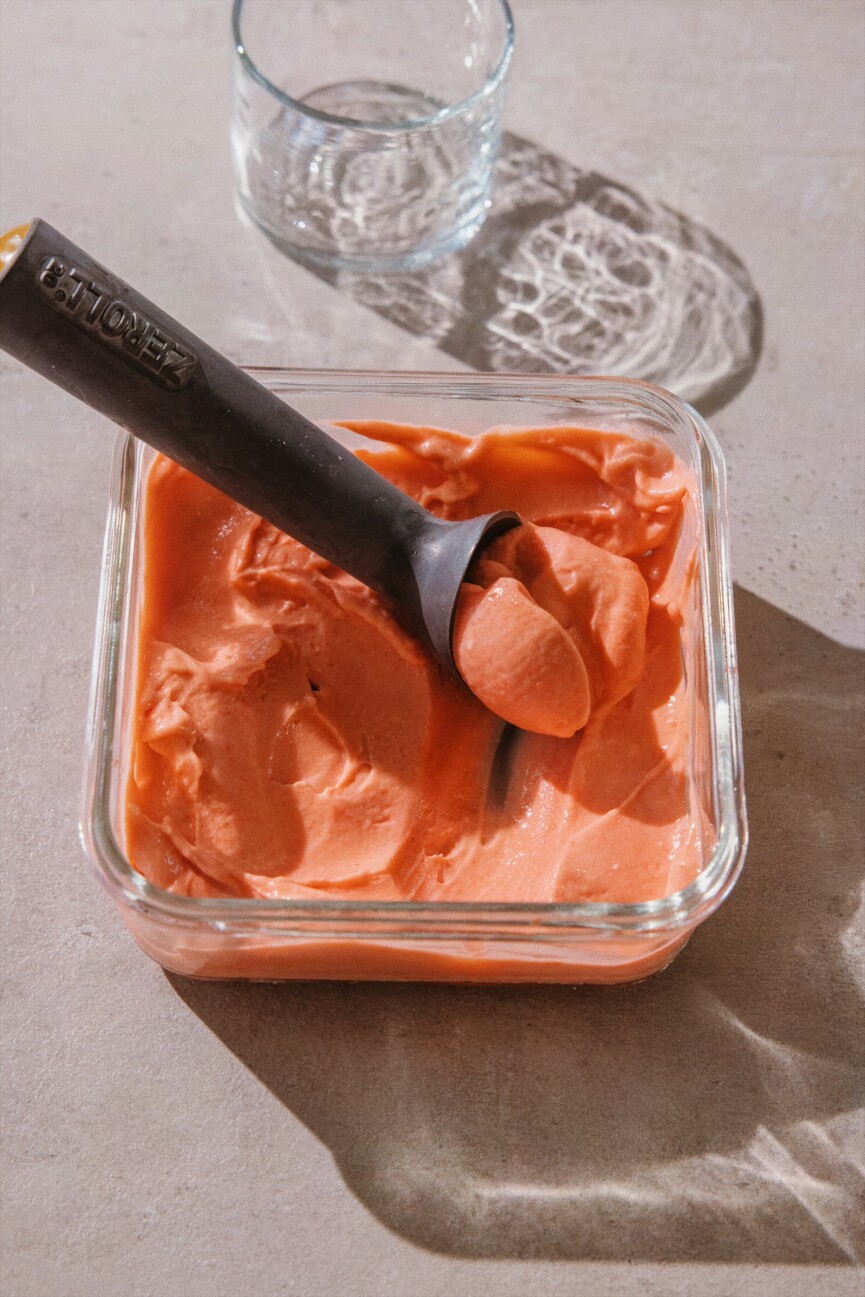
[[411, 940]]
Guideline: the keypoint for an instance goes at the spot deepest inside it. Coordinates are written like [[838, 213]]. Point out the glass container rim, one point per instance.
[[541, 920], [489, 87]]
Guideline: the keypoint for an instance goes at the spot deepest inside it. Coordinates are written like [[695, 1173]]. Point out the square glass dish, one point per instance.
[[433, 940]]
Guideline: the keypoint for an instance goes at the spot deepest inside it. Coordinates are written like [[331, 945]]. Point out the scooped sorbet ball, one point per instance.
[[519, 661], [550, 627]]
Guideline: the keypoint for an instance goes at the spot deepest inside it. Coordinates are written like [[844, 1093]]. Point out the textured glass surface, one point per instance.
[[594, 935], [387, 162]]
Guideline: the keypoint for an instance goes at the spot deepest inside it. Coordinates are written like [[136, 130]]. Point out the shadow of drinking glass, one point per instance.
[[575, 273], [711, 1113]]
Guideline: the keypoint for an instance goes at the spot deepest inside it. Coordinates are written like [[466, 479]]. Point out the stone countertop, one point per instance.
[[700, 1132]]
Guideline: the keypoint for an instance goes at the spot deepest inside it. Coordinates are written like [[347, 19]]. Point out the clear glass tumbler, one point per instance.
[[365, 131]]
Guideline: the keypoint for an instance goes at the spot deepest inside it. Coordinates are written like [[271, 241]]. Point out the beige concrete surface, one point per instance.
[[702, 1133]]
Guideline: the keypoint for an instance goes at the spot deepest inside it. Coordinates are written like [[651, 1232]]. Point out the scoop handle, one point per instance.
[[81, 326]]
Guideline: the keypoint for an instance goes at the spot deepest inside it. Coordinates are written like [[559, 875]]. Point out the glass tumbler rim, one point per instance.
[[489, 87]]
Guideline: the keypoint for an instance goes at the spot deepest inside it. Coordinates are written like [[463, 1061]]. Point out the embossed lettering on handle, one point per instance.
[[115, 323]]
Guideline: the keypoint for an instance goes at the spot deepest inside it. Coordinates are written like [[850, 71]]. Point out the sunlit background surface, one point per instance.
[[680, 197]]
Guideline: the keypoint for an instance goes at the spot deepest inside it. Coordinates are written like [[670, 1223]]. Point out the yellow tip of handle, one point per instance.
[[10, 242]]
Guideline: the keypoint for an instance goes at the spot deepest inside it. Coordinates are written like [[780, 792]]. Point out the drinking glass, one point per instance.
[[364, 132]]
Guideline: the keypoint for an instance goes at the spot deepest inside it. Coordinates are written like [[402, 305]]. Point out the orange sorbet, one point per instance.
[[291, 739], [549, 627]]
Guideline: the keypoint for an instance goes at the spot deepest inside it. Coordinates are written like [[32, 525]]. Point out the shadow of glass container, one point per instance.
[[712, 1113]]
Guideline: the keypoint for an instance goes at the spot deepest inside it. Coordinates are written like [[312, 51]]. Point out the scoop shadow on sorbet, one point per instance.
[[702, 1115]]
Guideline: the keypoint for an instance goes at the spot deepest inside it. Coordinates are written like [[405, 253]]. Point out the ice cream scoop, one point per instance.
[[78, 324]]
